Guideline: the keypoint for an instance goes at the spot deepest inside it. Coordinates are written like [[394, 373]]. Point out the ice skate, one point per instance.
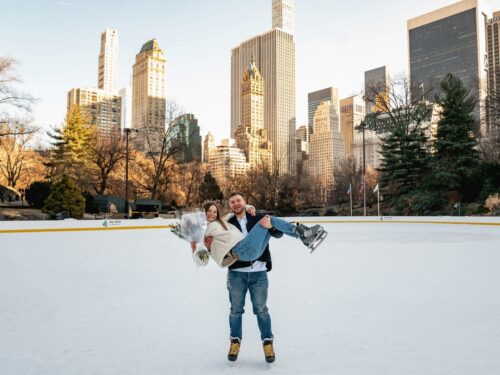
[[311, 237]]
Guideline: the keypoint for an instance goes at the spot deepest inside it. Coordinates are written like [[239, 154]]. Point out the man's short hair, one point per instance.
[[235, 193]]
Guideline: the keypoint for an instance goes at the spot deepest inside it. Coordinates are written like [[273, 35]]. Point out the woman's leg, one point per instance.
[[253, 245], [284, 226]]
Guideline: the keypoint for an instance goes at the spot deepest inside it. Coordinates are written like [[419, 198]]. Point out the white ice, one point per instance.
[[375, 298]]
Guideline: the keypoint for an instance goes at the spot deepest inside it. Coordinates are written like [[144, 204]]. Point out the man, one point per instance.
[[249, 276]]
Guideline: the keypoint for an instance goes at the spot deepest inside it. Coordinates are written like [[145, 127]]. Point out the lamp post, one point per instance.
[[127, 134]]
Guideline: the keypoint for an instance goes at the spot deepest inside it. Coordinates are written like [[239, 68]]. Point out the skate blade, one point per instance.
[[321, 237]]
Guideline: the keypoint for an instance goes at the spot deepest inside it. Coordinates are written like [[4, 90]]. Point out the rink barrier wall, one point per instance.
[[71, 225]]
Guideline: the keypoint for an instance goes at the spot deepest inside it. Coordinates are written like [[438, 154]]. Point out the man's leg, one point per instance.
[[237, 285], [258, 286]]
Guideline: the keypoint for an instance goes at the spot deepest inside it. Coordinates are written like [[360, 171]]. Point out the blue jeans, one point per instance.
[[257, 283], [254, 244]]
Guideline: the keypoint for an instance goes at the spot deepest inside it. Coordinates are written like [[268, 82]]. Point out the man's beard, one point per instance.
[[238, 211]]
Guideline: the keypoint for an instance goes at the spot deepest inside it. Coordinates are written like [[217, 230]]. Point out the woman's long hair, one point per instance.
[[219, 219]]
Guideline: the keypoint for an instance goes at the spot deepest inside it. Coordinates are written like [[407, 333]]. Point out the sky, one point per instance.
[[57, 45]]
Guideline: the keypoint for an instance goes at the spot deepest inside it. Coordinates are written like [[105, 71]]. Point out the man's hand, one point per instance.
[[207, 241], [266, 222]]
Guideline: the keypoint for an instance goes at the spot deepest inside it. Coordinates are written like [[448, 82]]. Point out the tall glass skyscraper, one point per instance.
[[450, 40], [274, 54]]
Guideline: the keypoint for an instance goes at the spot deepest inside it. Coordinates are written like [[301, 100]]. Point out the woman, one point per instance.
[[227, 244]]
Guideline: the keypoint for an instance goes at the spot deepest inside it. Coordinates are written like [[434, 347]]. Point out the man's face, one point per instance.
[[237, 204]]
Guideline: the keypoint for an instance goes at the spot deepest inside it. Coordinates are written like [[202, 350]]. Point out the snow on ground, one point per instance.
[[375, 298]]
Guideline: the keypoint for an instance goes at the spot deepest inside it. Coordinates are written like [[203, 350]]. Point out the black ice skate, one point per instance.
[[234, 350], [311, 237]]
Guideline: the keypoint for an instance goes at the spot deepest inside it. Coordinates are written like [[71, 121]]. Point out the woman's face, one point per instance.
[[211, 213]]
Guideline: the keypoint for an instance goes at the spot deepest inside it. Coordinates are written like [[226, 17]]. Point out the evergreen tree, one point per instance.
[[456, 156], [209, 189], [71, 147], [65, 196], [37, 193], [406, 162]]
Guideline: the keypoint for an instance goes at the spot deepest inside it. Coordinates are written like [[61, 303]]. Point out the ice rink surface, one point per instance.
[[375, 298]]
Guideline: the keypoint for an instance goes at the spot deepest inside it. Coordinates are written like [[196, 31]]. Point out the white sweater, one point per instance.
[[224, 240]]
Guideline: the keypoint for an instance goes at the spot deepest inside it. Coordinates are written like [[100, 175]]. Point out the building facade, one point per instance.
[[184, 137], [352, 112], [103, 107], [314, 99], [450, 40], [251, 136], [208, 147], [227, 162], [274, 54], [284, 15], [377, 89], [149, 97], [108, 60], [326, 147]]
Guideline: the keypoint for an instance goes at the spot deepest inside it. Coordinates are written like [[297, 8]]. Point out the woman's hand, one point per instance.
[[193, 246], [207, 241], [266, 222], [250, 210]]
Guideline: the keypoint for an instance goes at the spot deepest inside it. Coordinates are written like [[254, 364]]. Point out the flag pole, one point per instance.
[[350, 197], [378, 201]]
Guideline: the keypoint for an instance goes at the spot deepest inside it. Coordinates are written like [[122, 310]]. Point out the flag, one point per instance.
[[349, 191], [376, 188]]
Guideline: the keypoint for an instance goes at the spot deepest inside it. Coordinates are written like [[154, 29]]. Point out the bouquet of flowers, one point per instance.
[[192, 228]]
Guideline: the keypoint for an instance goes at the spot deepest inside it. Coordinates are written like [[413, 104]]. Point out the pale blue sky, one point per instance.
[[57, 44]]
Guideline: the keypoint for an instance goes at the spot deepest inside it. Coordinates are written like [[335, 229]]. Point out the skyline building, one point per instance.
[[184, 134], [302, 147], [451, 39], [251, 137], [208, 147], [284, 15], [103, 107], [227, 162], [315, 98], [108, 61], [377, 89], [149, 97], [326, 147], [352, 112], [126, 107], [493, 95], [274, 54]]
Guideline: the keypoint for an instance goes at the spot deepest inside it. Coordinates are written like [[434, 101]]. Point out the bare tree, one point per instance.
[[10, 96], [160, 145], [106, 154], [14, 152], [192, 177]]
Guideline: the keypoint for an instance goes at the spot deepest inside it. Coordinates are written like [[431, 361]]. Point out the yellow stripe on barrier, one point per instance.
[[44, 230], [49, 230], [399, 222]]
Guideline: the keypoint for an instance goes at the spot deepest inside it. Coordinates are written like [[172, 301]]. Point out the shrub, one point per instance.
[[37, 193], [65, 196]]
